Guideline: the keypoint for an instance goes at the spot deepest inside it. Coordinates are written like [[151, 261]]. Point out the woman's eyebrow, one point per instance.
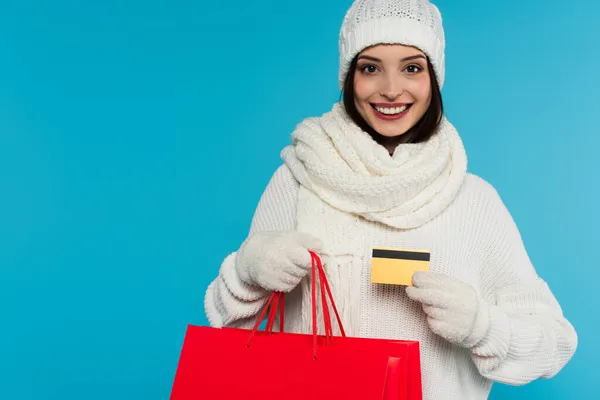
[[413, 57]]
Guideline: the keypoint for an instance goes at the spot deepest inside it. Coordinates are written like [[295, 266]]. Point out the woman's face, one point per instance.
[[392, 88]]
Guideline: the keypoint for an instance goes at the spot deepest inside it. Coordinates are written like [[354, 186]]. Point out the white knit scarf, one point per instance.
[[345, 175], [339, 162]]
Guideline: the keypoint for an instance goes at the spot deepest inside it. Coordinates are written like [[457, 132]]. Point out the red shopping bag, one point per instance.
[[231, 363]]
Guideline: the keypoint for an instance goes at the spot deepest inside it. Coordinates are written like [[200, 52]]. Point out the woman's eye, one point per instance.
[[413, 69], [370, 69]]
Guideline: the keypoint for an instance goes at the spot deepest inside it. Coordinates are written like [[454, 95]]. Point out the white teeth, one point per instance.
[[391, 111]]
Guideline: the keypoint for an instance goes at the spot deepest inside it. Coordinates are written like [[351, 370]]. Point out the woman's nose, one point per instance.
[[392, 88]]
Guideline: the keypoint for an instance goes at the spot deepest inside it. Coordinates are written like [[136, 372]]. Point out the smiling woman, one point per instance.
[[385, 168]]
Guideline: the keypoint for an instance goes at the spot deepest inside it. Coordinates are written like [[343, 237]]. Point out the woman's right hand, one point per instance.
[[276, 261]]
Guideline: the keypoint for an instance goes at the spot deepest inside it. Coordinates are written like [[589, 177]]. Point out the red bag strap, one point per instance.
[[277, 299], [325, 284], [326, 316], [271, 306], [272, 314], [317, 268], [314, 302]]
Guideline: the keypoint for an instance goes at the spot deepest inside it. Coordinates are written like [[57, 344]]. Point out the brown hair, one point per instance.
[[420, 132]]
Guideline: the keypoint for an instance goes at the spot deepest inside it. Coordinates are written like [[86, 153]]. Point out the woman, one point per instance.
[[385, 168]]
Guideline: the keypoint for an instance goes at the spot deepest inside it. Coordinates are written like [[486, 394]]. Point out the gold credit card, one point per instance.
[[397, 266]]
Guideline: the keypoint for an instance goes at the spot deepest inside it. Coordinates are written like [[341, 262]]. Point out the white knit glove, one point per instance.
[[454, 310], [276, 261]]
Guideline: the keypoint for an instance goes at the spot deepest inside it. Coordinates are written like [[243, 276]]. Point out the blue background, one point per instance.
[[136, 138]]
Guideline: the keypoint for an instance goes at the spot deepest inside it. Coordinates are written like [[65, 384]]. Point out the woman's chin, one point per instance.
[[389, 130]]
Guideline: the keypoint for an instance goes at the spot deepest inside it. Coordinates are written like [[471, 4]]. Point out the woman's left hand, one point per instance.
[[453, 308]]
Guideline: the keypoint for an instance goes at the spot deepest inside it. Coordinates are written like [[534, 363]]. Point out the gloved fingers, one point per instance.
[[279, 282], [433, 280], [300, 256], [440, 327], [435, 312], [446, 330], [431, 297], [295, 270]]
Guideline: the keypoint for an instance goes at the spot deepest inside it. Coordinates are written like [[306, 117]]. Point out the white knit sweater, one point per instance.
[[474, 240]]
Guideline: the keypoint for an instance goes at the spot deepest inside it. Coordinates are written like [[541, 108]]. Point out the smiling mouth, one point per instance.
[[391, 112]]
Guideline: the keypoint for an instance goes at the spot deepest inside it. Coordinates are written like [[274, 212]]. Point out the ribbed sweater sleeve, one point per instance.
[[528, 338], [228, 300]]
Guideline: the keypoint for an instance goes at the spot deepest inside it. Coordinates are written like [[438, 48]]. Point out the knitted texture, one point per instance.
[[415, 23], [344, 166], [474, 241]]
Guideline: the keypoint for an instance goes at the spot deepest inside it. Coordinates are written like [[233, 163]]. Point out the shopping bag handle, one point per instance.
[[317, 266], [277, 299]]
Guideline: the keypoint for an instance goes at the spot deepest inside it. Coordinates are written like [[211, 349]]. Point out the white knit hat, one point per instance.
[[415, 23]]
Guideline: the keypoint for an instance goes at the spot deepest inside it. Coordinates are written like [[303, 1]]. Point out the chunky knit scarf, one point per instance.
[[342, 165]]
